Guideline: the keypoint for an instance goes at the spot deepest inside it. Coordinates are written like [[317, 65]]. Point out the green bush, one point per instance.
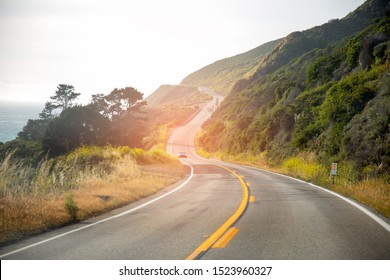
[[71, 207], [353, 52], [303, 168]]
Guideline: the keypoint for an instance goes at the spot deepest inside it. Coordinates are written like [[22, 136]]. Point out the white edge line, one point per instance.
[[372, 215], [107, 219], [361, 208]]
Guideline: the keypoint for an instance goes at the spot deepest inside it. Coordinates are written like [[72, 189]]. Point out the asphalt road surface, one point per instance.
[[220, 211]]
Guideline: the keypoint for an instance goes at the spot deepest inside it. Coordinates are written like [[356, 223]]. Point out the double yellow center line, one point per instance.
[[226, 226]]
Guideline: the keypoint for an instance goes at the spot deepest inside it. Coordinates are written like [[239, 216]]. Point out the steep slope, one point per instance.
[[165, 94], [223, 74], [170, 106], [299, 43], [316, 92]]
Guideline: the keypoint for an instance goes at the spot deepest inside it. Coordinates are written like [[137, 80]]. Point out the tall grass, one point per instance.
[[34, 199], [52, 176]]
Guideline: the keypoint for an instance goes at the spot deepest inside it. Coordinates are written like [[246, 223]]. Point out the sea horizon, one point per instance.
[[14, 116]]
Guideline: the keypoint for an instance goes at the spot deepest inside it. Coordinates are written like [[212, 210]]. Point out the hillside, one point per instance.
[[174, 104], [325, 91], [299, 43], [170, 106], [166, 94], [223, 74]]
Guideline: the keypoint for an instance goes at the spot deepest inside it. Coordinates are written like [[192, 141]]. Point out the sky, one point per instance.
[[100, 45]]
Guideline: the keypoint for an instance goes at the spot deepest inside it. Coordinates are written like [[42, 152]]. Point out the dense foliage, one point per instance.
[[325, 90], [115, 119]]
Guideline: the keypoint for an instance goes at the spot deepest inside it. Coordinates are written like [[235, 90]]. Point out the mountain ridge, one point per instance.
[[219, 76], [318, 37], [166, 94]]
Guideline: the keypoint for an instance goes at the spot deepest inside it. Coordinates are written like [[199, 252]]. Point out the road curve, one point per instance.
[[219, 212], [287, 218]]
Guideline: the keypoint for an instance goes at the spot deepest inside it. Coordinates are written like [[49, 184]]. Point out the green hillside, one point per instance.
[[299, 43], [223, 74], [166, 94], [172, 105], [324, 91]]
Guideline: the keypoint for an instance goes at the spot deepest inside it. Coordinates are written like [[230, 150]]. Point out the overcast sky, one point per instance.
[[102, 44]]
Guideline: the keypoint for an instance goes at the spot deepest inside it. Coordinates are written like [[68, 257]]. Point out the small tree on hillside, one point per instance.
[[118, 102], [64, 97], [99, 104], [47, 112], [123, 100]]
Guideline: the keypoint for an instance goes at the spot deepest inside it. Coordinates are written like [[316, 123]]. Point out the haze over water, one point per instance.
[[14, 116]]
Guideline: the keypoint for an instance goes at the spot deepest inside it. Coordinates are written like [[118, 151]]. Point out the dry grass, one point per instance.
[[28, 215], [120, 188], [373, 192], [27, 212]]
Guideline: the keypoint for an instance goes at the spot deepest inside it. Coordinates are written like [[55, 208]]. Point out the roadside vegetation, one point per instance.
[[294, 106], [75, 161], [79, 185], [371, 190]]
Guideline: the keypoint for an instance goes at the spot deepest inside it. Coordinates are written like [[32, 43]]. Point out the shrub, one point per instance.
[[138, 154], [86, 154], [71, 207], [157, 155], [304, 167]]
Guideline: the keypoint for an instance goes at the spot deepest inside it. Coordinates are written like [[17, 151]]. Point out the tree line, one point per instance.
[[63, 125]]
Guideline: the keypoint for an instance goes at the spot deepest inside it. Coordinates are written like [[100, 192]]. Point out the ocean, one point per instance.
[[14, 116]]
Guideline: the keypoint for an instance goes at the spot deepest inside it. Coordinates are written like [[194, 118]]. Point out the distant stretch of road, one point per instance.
[[220, 211]]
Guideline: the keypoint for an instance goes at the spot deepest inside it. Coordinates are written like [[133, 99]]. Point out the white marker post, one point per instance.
[[333, 172]]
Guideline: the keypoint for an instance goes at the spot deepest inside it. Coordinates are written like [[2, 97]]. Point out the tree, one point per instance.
[[129, 129], [124, 100], [99, 104], [47, 112], [64, 97], [76, 126], [34, 130], [124, 108]]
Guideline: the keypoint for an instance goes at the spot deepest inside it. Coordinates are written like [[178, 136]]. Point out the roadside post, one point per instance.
[[333, 172]]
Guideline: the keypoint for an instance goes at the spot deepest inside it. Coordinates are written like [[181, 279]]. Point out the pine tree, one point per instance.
[[64, 96], [47, 112]]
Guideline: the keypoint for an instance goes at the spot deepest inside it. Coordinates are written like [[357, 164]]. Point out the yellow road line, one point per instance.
[[252, 198], [248, 184], [226, 238], [228, 223]]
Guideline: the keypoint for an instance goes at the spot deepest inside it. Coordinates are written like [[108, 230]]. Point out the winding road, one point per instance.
[[220, 211]]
